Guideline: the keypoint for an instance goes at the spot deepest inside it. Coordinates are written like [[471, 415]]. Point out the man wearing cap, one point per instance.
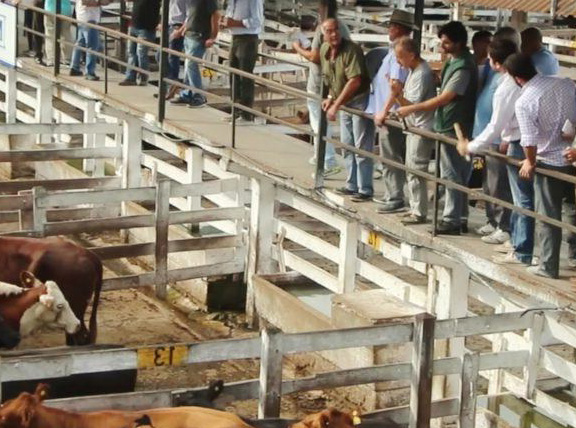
[[381, 101]]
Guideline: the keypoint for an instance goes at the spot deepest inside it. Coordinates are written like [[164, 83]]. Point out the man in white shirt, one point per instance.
[[245, 20], [419, 87], [543, 108], [86, 11], [503, 127]]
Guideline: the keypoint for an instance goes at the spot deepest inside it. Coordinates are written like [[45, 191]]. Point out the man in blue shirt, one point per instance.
[[392, 146], [544, 61]]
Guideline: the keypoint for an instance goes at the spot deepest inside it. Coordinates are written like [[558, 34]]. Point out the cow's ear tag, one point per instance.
[[356, 418]]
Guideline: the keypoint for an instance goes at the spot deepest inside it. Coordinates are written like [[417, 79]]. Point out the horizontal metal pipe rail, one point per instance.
[[306, 95]]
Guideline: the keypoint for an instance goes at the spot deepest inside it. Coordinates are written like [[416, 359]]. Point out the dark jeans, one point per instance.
[[550, 193], [28, 22], [496, 184], [173, 60], [522, 226], [243, 55], [38, 26]]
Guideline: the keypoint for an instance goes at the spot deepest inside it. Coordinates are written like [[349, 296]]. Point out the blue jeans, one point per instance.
[[138, 53], [193, 46], [522, 226], [87, 38], [314, 109], [358, 132], [455, 168]]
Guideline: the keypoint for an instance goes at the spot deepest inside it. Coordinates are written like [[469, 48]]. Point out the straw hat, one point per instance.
[[404, 18]]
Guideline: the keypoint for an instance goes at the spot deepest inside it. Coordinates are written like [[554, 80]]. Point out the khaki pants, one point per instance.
[[65, 34]]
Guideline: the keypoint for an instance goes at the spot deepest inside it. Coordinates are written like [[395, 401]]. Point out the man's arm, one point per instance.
[[312, 55], [214, 26], [332, 106], [441, 100]]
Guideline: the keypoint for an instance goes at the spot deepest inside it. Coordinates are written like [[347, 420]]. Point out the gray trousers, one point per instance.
[[418, 154], [496, 184], [550, 194], [393, 147], [455, 168]]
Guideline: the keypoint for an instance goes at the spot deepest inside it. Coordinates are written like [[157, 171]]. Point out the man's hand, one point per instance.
[[332, 112], [209, 43], [404, 111], [296, 45], [462, 147], [379, 118], [570, 154], [527, 169], [396, 87], [326, 104], [176, 34], [503, 147]]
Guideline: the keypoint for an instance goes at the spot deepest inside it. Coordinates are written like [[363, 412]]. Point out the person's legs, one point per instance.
[[38, 26], [81, 41], [173, 60], [247, 55], [455, 168], [548, 193], [314, 109], [66, 48], [28, 22], [132, 58], [394, 148], [49, 30], [93, 43], [364, 131], [499, 187], [347, 137], [523, 196], [418, 154], [570, 214]]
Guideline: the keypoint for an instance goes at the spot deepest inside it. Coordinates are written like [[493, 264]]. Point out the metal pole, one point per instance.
[[105, 62], [233, 110], [436, 188], [123, 30], [163, 61], [320, 149], [57, 31], [418, 21]]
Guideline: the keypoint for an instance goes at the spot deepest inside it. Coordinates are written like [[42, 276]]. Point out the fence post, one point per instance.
[[88, 138], [195, 166], [57, 32], [39, 210], [99, 164], [26, 214], [320, 149], [11, 94], [534, 339], [496, 376], [468, 390], [348, 257], [233, 108], [422, 361], [162, 225], [163, 61], [131, 153], [44, 107], [260, 236], [270, 391]]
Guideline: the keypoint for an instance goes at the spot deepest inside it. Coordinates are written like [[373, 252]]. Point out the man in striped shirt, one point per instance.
[[544, 106]]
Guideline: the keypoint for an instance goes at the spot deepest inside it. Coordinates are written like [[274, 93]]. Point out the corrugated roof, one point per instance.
[[564, 7]]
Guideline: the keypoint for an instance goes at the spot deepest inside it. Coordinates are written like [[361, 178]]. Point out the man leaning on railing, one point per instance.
[[543, 109], [344, 72]]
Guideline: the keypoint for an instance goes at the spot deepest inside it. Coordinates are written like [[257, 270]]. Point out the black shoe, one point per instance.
[[92, 77], [345, 191], [74, 72], [39, 61], [361, 197], [447, 229], [464, 227]]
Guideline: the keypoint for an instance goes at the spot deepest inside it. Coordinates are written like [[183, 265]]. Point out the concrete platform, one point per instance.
[[285, 159]]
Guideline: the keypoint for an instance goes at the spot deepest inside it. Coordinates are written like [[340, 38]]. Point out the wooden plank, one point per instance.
[[99, 225], [60, 184], [421, 371], [59, 128], [310, 270], [533, 336], [226, 268], [482, 325], [392, 284], [347, 257], [270, 391], [131, 153], [206, 215], [39, 212], [204, 188], [557, 366], [59, 154], [15, 203], [99, 196], [307, 240], [311, 209], [161, 241], [171, 171], [400, 415], [11, 95], [468, 390]]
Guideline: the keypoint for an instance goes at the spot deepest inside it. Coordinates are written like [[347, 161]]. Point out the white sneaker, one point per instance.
[[485, 230], [497, 237], [505, 248], [507, 259]]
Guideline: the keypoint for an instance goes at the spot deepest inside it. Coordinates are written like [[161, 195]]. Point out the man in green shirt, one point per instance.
[[455, 104], [345, 74]]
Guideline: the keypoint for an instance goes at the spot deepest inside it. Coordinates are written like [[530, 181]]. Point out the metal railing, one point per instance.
[[288, 90]]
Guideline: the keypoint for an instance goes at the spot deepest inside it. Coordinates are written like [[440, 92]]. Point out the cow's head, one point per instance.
[[329, 418], [19, 412], [51, 309]]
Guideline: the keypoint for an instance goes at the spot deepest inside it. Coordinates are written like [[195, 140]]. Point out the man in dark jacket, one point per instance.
[[145, 17]]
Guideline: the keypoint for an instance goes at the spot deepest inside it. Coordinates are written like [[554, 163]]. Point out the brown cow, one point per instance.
[[27, 411], [76, 270]]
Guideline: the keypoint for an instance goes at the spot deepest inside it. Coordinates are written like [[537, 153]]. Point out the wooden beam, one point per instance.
[[421, 379]]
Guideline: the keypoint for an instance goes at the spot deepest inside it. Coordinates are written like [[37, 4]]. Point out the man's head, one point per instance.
[[499, 51], [453, 37], [407, 52], [520, 67], [531, 40], [401, 24], [327, 9], [331, 32], [480, 42], [508, 33]]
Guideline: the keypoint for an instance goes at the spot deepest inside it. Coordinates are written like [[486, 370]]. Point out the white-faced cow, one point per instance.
[[77, 271]]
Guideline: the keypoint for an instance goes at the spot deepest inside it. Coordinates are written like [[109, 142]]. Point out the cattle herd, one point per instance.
[[50, 282]]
